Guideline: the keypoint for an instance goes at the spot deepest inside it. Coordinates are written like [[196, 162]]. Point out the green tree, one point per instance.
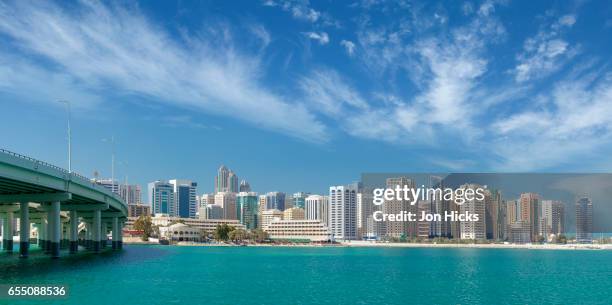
[[144, 224], [259, 235], [561, 239], [222, 232], [238, 235]]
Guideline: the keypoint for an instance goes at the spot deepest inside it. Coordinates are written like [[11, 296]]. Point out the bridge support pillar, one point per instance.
[[115, 231], [48, 231], [24, 230], [97, 228], [7, 232], [55, 221], [120, 235], [74, 232], [42, 233]]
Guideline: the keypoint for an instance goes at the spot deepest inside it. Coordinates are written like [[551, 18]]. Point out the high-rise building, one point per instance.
[[343, 211], [137, 210], [493, 201], [400, 228], [294, 213], [471, 229], [221, 180], [232, 182], [130, 193], [207, 199], [161, 197], [226, 181], [551, 218], [584, 220], [299, 199], [185, 198], [423, 226], [275, 200], [227, 201], [317, 208], [211, 211], [530, 212], [245, 186], [513, 211], [247, 208], [263, 204]]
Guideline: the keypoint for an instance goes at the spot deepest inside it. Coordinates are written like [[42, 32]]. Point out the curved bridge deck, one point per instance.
[[55, 202]]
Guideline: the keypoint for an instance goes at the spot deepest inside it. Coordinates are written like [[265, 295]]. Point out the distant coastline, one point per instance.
[[369, 244]]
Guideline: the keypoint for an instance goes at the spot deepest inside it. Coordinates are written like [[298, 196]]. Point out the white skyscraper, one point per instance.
[[473, 229], [343, 211], [227, 202], [317, 208]]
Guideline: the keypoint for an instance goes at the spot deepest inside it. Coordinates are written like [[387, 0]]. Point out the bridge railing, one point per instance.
[[57, 168]]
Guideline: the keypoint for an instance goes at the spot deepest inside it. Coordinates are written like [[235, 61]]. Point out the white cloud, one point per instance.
[[546, 52], [567, 20], [575, 122], [327, 92], [300, 10], [349, 46], [101, 48], [321, 37]]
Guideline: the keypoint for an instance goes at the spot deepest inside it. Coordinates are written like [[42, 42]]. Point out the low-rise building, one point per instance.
[[298, 230], [206, 226], [181, 232]]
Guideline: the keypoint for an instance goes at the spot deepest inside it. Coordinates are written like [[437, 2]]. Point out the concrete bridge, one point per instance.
[[56, 203]]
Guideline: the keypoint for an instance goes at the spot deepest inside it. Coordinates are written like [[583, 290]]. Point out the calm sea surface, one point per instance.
[[266, 275]]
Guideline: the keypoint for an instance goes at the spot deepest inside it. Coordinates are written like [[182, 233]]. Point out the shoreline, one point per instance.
[[369, 244]]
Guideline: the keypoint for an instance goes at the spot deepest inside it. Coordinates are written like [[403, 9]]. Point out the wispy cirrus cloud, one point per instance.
[[545, 52], [107, 47]]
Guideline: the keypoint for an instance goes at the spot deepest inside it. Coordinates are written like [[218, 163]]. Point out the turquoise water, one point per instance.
[[266, 275]]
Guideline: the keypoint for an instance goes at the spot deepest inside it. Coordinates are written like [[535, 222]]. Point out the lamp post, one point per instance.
[[69, 136]]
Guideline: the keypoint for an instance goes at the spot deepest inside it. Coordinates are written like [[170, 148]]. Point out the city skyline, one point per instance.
[[342, 107]]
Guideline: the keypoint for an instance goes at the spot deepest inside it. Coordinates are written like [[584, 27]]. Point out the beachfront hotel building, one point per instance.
[[227, 202], [298, 230], [317, 208], [399, 229], [268, 216], [207, 226], [161, 197], [294, 213], [552, 218], [184, 198], [247, 209], [519, 232], [343, 211], [584, 220], [530, 212], [471, 229]]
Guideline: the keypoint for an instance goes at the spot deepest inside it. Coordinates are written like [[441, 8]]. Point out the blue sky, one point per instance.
[[297, 95]]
